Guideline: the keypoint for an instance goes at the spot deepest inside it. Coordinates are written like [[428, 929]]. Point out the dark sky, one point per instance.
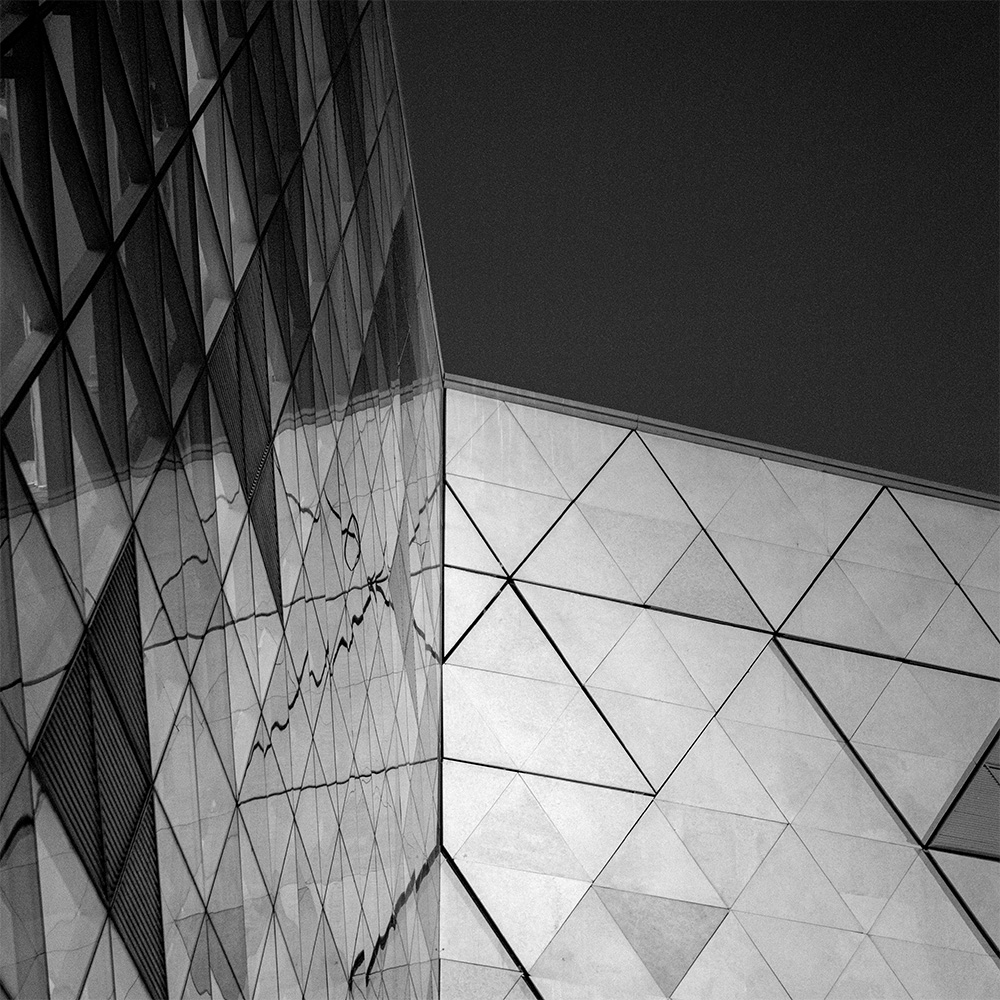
[[778, 222]]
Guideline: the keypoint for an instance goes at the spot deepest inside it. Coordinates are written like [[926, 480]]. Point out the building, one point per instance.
[[718, 721], [322, 679], [220, 544]]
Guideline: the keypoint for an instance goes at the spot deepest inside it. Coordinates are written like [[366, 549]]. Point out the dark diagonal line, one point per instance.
[[572, 502], [947, 568], [487, 916], [472, 521], [551, 777], [475, 620], [697, 521], [964, 909], [963, 853], [645, 607], [833, 556], [583, 687], [978, 761], [826, 644], [848, 746]]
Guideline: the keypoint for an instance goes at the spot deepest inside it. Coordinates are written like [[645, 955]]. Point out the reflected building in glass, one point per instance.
[[320, 679], [220, 533]]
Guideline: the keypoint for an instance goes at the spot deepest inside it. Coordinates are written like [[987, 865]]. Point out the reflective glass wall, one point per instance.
[[219, 508], [715, 725]]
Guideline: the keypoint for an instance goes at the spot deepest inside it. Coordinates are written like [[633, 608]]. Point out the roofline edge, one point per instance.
[[713, 439]]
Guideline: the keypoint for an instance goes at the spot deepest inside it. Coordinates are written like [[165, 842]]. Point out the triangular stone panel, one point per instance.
[[977, 882], [706, 477], [643, 663], [713, 775], [727, 847], [959, 638], [506, 639], [653, 860], [573, 556], [573, 448], [830, 504], [865, 872], [700, 583], [790, 885], [592, 820], [716, 656], [464, 545], [730, 965], [517, 833], [473, 592], [469, 793], [584, 628], [667, 934], [957, 532], [507, 894], [844, 802], [868, 975], [833, 611], [982, 583], [591, 954], [846, 683], [500, 452], [512, 521], [921, 911], [806, 958], [656, 733]]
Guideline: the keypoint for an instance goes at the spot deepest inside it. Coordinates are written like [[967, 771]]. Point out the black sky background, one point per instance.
[[778, 222]]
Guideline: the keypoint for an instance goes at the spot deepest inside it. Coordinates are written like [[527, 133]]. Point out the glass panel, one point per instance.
[[330, 612], [214, 251], [73, 912], [199, 56], [42, 444], [46, 641]]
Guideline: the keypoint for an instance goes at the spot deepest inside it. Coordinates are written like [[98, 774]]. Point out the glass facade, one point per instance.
[[715, 725], [711, 723], [219, 508]]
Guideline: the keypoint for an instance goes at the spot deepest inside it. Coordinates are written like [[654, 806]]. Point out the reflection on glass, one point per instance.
[[218, 530]]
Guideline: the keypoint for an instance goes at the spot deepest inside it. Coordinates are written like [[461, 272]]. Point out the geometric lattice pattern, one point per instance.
[[710, 724], [220, 536], [714, 725]]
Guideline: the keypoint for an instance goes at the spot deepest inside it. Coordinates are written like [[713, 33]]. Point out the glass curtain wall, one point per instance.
[[219, 508]]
